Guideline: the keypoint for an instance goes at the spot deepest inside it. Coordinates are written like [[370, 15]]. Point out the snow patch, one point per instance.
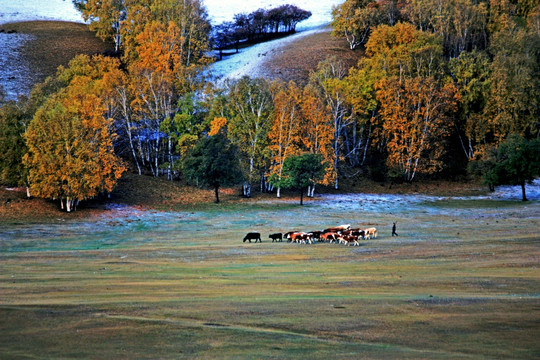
[[28, 10], [249, 61], [14, 79]]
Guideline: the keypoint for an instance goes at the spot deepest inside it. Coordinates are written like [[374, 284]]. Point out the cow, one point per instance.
[[329, 236], [316, 235], [372, 232], [252, 236], [359, 233], [276, 237], [338, 229], [301, 237], [348, 240], [287, 235]]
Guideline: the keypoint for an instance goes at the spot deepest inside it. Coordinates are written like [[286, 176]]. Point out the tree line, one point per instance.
[[410, 108], [259, 25]]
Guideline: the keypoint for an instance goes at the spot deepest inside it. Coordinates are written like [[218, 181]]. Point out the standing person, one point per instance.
[[394, 233]]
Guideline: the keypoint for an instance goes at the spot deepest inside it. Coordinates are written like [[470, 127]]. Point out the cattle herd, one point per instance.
[[342, 234]]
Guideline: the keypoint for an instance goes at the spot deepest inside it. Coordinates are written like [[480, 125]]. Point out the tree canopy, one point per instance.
[[301, 171], [70, 140], [515, 162], [213, 162]]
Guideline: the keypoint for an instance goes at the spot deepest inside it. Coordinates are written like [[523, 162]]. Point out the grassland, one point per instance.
[[163, 272], [461, 281]]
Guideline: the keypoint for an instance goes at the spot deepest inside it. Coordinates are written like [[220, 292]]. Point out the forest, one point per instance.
[[446, 89]]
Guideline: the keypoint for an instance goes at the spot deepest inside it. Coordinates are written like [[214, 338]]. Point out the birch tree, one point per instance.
[[70, 141], [250, 106], [284, 137], [415, 118]]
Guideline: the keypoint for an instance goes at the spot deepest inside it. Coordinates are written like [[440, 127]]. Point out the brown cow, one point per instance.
[[349, 239], [301, 238], [329, 236], [287, 235]]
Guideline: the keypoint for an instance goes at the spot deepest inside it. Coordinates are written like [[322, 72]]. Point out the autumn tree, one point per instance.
[[329, 82], [250, 106], [415, 121], [354, 19], [70, 141], [105, 17], [165, 48], [317, 133], [471, 74], [512, 104], [285, 134], [212, 162], [403, 51], [461, 24]]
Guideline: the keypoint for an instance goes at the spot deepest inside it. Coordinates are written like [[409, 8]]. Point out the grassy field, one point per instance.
[[461, 281], [166, 275]]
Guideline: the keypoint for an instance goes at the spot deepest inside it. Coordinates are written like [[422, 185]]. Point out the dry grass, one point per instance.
[[55, 43], [302, 56]]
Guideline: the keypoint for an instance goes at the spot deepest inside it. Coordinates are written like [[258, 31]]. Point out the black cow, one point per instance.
[[252, 236], [316, 235], [276, 237]]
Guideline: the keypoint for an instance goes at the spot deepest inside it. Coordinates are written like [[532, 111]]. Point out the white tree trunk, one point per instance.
[[69, 204]]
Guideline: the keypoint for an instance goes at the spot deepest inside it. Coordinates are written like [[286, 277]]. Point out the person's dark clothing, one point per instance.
[[394, 233]]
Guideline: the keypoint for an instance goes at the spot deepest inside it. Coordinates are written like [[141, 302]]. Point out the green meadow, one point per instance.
[[460, 281]]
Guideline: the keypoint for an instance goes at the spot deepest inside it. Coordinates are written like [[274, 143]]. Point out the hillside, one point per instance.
[[47, 45], [302, 56]]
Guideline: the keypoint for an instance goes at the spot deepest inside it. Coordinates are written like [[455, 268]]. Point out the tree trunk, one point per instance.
[[216, 192], [523, 196], [69, 204], [301, 196]]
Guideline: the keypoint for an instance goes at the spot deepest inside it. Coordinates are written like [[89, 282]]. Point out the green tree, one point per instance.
[[12, 145], [470, 72], [515, 162], [214, 163], [513, 101], [302, 171]]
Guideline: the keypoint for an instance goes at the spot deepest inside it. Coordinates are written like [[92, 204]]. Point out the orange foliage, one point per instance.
[[217, 126], [284, 135], [70, 142], [415, 119], [318, 134]]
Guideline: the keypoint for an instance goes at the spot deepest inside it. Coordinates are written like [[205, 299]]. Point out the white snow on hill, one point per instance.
[[26, 10], [250, 61]]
